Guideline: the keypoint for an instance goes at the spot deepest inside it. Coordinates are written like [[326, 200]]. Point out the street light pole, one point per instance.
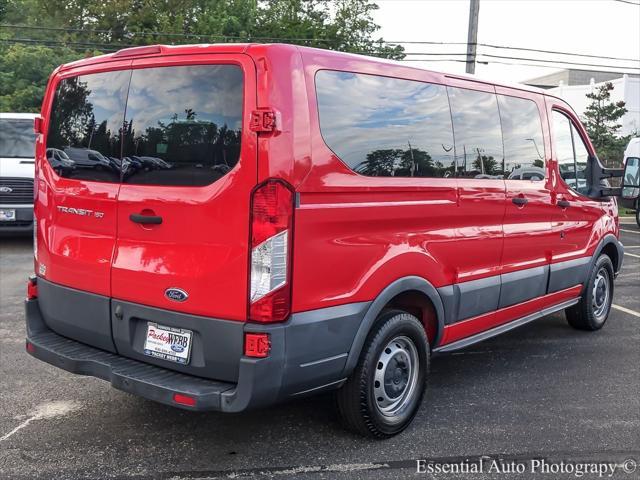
[[472, 37]]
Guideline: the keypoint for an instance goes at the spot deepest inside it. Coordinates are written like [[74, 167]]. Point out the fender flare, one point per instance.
[[608, 239], [399, 286]]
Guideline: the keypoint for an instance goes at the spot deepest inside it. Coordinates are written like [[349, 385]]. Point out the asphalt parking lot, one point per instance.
[[544, 391]]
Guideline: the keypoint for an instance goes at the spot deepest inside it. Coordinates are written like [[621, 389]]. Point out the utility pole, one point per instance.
[[472, 38]]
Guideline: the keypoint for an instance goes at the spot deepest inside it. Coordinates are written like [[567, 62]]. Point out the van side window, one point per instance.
[[183, 124], [386, 127], [571, 153], [478, 134], [523, 140], [83, 141], [582, 160]]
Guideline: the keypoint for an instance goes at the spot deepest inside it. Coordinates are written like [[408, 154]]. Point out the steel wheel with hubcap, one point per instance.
[[396, 375], [385, 390], [595, 304], [600, 293]]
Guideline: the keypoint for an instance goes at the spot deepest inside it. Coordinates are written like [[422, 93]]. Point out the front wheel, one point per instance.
[[592, 311], [386, 388]]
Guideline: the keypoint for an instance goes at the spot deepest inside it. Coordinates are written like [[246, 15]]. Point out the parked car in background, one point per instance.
[[632, 151], [319, 227], [17, 163]]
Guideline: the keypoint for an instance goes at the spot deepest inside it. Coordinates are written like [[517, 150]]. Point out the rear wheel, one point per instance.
[[386, 388], [593, 309]]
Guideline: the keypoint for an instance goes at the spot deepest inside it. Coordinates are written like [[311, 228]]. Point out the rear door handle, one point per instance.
[[145, 219], [519, 200], [564, 203]]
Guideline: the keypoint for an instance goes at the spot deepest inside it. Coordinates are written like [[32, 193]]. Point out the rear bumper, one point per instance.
[[23, 223], [302, 361]]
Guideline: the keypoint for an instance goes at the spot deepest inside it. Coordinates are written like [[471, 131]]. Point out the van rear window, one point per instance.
[[85, 126], [182, 125]]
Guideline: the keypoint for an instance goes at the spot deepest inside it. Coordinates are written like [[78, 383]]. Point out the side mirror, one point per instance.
[[631, 178]]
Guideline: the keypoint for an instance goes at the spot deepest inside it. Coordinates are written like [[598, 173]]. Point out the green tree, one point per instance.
[[46, 33], [486, 165], [601, 119]]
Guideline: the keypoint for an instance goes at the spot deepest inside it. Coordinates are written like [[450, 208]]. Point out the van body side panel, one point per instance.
[[350, 246], [285, 154], [361, 233]]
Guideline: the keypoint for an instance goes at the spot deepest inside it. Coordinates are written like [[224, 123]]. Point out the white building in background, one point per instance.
[[625, 88]]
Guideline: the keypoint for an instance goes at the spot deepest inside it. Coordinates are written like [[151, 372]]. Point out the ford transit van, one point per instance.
[[240, 225]]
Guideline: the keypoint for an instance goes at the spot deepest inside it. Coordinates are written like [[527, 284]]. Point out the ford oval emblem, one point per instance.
[[176, 294], [177, 348], [4, 189]]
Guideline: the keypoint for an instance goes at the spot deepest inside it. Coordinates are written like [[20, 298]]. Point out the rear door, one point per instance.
[[189, 164], [76, 211]]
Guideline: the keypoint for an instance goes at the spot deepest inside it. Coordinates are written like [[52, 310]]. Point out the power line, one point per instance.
[[310, 40], [629, 2], [505, 47], [110, 47], [565, 62]]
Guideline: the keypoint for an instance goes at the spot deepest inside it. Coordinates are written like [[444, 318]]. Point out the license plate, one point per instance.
[[168, 343], [7, 215]]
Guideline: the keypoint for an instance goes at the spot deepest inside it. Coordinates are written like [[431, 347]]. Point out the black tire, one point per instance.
[[592, 311], [363, 402], [638, 212]]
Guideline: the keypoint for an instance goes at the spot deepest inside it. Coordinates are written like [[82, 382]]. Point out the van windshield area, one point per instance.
[[17, 139]]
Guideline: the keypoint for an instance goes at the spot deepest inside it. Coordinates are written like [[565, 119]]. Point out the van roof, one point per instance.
[[163, 50], [18, 116]]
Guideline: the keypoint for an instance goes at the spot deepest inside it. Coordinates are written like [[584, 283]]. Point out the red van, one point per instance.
[[238, 225]]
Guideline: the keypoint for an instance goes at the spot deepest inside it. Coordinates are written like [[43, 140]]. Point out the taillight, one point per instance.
[[32, 288], [270, 266]]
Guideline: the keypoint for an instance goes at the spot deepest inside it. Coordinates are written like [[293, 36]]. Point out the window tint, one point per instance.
[[85, 126], [17, 139], [571, 153], [183, 124], [478, 135], [582, 159], [386, 127], [522, 137]]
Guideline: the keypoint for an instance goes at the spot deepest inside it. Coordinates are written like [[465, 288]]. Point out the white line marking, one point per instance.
[[632, 246], [632, 255], [43, 412], [629, 231], [626, 310]]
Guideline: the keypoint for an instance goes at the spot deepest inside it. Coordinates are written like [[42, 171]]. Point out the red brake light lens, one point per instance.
[[270, 265], [257, 345], [32, 288]]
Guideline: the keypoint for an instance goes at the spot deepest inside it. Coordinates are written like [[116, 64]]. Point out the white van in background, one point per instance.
[[632, 151], [17, 164]]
